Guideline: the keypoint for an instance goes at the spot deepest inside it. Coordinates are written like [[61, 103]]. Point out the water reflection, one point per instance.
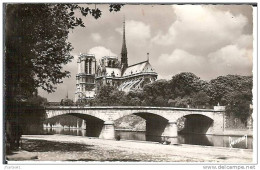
[[206, 140], [75, 132]]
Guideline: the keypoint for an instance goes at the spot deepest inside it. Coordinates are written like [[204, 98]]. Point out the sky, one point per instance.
[[207, 40]]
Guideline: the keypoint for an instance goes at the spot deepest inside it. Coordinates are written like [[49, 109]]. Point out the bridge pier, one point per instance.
[[171, 129], [161, 128], [171, 132], [108, 130]]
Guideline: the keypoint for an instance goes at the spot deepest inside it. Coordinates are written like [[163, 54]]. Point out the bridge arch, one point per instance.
[[157, 125], [145, 114], [94, 125], [77, 113], [86, 116], [197, 124], [150, 115], [205, 114]]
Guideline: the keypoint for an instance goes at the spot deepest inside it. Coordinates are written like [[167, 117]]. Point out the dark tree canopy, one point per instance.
[[186, 90], [66, 102], [36, 49], [223, 88], [200, 99], [109, 96], [186, 84], [36, 44], [239, 106], [157, 93]]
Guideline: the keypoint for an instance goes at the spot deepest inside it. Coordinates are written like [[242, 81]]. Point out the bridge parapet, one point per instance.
[[220, 108], [216, 108]]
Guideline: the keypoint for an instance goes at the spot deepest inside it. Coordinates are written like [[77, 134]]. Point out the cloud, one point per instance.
[[100, 52], [164, 77], [136, 31], [230, 59], [245, 41], [179, 61], [201, 29], [208, 40], [96, 37]]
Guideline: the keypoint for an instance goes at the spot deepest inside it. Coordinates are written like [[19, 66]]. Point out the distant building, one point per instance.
[[85, 86], [111, 71], [66, 101]]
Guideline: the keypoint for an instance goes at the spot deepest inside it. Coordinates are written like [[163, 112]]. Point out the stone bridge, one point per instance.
[[160, 121]]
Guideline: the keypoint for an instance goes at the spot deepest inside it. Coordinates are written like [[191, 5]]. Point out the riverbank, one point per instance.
[[226, 132], [77, 148], [238, 132]]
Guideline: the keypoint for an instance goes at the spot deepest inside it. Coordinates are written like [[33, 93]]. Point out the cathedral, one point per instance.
[[111, 71]]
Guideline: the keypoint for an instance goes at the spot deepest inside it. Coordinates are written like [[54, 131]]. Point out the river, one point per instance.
[[206, 140]]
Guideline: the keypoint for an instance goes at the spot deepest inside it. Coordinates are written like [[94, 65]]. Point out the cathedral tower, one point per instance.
[[124, 62], [85, 77]]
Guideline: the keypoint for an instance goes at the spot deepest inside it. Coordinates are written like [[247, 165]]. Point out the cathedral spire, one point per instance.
[[124, 61]]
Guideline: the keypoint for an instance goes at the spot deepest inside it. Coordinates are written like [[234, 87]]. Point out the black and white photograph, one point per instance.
[[129, 83]]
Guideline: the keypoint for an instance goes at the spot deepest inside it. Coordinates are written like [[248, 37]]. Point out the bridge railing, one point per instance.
[[216, 108]]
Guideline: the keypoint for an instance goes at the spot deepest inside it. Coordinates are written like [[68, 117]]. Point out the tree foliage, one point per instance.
[[239, 106], [223, 88], [157, 93], [37, 101], [66, 102], [36, 44], [108, 96], [186, 84], [186, 90], [200, 99], [36, 49]]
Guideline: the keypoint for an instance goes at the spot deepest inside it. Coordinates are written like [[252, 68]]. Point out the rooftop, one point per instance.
[[142, 67], [112, 57]]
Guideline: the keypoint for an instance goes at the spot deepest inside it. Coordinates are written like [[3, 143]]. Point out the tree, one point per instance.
[[239, 106], [36, 44], [156, 93], [200, 99], [135, 101], [179, 101], [66, 102], [223, 88], [37, 101], [133, 98], [36, 48], [109, 96], [186, 84], [184, 89]]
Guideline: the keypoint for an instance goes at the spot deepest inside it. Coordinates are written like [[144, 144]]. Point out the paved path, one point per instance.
[[110, 150]]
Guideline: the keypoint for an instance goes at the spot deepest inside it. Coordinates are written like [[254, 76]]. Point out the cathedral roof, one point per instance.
[[109, 71], [142, 67]]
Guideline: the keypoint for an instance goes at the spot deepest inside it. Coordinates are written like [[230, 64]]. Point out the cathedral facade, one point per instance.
[[111, 71]]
